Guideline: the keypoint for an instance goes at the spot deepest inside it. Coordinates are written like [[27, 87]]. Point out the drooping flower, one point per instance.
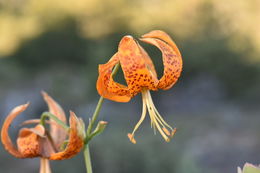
[[141, 77], [39, 141]]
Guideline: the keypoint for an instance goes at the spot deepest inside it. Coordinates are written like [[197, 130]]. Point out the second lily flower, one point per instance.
[[140, 75], [39, 141]]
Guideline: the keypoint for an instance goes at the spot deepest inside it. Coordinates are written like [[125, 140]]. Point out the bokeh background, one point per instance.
[[56, 46]]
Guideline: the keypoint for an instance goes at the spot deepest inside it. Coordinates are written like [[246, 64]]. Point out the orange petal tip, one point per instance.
[[125, 41], [43, 92], [45, 95], [21, 107], [6, 140], [153, 33], [157, 34]]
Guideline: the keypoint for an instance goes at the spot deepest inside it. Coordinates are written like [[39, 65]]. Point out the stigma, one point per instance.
[[157, 122]]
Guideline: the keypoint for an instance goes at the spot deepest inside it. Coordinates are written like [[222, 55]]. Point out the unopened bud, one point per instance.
[[101, 126]]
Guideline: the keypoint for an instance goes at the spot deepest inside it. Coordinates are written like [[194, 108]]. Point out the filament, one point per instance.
[[131, 136], [157, 122]]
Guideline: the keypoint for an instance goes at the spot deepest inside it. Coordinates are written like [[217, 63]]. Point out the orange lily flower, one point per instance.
[[140, 75], [39, 142]]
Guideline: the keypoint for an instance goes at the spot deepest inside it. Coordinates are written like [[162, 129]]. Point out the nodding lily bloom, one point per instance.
[[39, 141], [141, 77]]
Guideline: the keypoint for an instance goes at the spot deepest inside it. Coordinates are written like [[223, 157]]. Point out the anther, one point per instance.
[[131, 138], [166, 131], [173, 132], [167, 139]]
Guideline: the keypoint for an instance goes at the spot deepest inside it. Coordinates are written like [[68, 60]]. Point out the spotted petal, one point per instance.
[[57, 132], [6, 140], [107, 87], [32, 142], [138, 69], [172, 60], [76, 140]]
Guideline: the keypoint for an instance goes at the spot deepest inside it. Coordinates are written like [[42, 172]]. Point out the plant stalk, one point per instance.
[[87, 159], [45, 166], [92, 121], [51, 116]]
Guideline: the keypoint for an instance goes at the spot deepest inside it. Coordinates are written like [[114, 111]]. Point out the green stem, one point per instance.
[[51, 116], [95, 115], [98, 107], [90, 126], [87, 159], [99, 129]]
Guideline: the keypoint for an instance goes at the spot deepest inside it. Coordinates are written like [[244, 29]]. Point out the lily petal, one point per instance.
[[172, 60], [7, 142], [57, 132], [36, 121], [162, 36], [148, 61], [76, 140], [38, 130], [138, 69], [34, 142], [29, 142], [107, 87]]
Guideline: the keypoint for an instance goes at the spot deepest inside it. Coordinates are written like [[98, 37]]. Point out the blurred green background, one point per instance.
[[56, 46]]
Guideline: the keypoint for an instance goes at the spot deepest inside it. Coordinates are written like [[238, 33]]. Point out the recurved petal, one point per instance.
[[32, 142], [76, 140], [138, 69], [162, 36], [148, 61], [7, 142], [35, 121], [107, 87], [57, 132], [172, 59]]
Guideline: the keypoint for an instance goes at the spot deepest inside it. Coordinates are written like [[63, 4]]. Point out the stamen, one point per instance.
[[131, 136], [152, 120], [156, 119], [153, 117], [157, 122], [156, 111], [166, 131], [173, 132]]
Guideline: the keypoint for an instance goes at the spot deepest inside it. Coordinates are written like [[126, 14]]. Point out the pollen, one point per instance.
[[173, 132], [166, 131], [131, 138]]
